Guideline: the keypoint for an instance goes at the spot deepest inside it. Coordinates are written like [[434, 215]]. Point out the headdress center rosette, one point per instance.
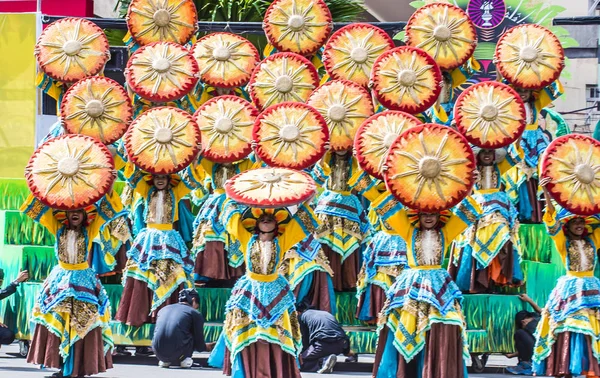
[[490, 114], [351, 51], [282, 77], [290, 135], [226, 60], [226, 128], [445, 32], [71, 49], [98, 107], [298, 26], [271, 187], [344, 105], [151, 21], [406, 79], [70, 172], [375, 137], [163, 140], [430, 168], [529, 56], [161, 72], [572, 162]]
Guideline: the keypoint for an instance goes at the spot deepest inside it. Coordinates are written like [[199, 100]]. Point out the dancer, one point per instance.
[[568, 334], [72, 312], [421, 327], [159, 262], [488, 254]]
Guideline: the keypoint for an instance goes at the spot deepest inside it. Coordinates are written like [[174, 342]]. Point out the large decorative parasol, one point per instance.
[[163, 140], [430, 168], [290, 135], [70, 172], [226, 128], [375, 137], [351, 51], [406, 79], [71, 49], [490, 114], [572, 162], [161, 72], [271, 187], [529, 56], [445, 32], [298, 26], [344, 105], [151, 21], [282, 77], [225, 59], [98, 107]]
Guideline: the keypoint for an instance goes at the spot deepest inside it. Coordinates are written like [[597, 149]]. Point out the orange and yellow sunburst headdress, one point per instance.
[[252, 215], [90, 214], [413, 217]]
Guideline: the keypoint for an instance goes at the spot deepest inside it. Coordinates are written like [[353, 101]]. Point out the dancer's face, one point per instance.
[[576, 226], [525, 94], [160, 181], [75, 218], [267, 223], [486, 157], [428, 221]]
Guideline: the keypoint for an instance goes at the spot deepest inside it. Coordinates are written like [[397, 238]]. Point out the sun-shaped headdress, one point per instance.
[[163, 140], [270, 187], [529, 56], [445, 32], [151, 21], [70, 172], [430, 168], [161, 71], [282, 77], [351, 51], [375, 137], [344, 105], [71, 49], [490, 114], [290, 135], [226, 60], [406, 79], [298, 26], [572, 162], [98, 107], [226, 128]]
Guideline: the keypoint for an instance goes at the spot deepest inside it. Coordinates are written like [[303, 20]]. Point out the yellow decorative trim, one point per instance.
[[589, 273], [262, 277], [80, 266], [161, 226], [427, 267]]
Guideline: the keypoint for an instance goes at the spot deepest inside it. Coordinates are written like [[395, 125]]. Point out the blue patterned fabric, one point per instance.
[[496, 202], [264, 302], [185, 223], [578, 356], [210, 211], [82, 285], [308, 248], [431, 286], [566, 298], [387, 250], [534, 143], [344, 206], [152, 244]]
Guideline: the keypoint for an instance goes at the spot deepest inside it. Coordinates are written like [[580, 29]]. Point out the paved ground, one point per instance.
[[139, 367]]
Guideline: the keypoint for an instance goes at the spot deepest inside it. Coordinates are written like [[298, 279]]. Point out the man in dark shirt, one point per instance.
[[6, 335], [525, 325], [179, 331], [322, 340]]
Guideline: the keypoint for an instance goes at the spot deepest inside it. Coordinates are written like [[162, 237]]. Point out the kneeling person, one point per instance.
[[179, 331], [322, 340]]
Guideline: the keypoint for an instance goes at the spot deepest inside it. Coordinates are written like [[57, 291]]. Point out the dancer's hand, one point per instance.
[[545, 181]]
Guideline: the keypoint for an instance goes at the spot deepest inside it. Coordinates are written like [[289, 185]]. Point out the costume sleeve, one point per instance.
[[109, 207], [321, 171], [9, 290], [36, 210], [135, 179], [545, 96], [207, 165], [463, 215], [199, 342], [192, 177], [461, 74], [555, 230], [363, 184], [393, 214], [232, 218], [303, 223], [514, 155]]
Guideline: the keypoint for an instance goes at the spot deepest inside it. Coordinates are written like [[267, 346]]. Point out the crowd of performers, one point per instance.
[[308, 178]]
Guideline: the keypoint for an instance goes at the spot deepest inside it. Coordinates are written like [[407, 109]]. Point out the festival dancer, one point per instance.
[[567, 335], [72, 312], [159, 262], [421, 327], [488, 253]]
